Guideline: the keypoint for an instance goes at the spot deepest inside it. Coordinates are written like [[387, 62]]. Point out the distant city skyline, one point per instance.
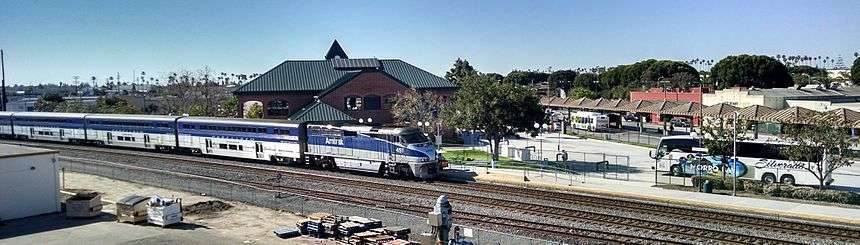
[[49, 42]]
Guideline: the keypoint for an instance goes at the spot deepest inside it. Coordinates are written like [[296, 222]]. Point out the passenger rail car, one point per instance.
[[5, 124], [137, 131], [62, 127], [251, 139], [401, 152]]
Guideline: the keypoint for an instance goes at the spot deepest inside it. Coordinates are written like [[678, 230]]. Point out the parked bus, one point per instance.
[[684, 155], [591, 121]]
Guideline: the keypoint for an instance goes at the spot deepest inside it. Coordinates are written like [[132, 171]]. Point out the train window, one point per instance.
[[349, 133], [282, 131], [222, 146], [233, 147], [240, 148], [413, 137]]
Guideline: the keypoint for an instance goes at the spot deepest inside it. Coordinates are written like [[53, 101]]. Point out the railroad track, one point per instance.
[[835, 233], [672, 231]]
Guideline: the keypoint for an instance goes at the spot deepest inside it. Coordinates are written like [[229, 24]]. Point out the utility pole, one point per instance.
[[3, 85]]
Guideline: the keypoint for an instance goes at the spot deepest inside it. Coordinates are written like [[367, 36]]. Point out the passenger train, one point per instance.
[[393, 152]]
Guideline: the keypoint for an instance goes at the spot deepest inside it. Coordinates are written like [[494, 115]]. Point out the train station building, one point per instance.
[[337, 88]]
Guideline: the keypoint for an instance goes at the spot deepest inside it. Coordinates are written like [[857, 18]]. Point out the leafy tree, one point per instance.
[[497, 109], [193, 92], [495, 76], [562, 79], [48, 102], [413, 106], [820, 147], [580, 92], [115, 105], [526, 77], [855, 70], [665, 69], [460, 71], [719, 136], [750, 70], [807, 70], [585, 80], [254, 111], [682, 80], [73, 106], [229, 107]]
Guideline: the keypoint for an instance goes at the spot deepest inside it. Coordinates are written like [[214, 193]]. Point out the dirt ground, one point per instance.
[[247, 223]]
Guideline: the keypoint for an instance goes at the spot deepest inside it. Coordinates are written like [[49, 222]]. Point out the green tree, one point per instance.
[[73, 106], [820, 147], [562, 79], [495, 76], [48, 102], [460, 71], [229, 107], [254, 111], [855, 71], [115, 105], [526, 77], [807, 70], [413, 107], [585, 80], [719, 136], [750, 70], [497, 109], [580, 92]]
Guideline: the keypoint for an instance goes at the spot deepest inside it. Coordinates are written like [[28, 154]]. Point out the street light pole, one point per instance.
[[735, 156], [3, 85]]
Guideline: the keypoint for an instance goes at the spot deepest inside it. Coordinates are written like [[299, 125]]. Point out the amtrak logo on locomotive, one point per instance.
[[334, 141]]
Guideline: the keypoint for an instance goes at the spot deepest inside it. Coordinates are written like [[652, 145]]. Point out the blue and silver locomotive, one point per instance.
[[388, 151]]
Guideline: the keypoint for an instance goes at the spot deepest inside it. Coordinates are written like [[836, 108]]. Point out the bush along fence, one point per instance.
[[777, 190]]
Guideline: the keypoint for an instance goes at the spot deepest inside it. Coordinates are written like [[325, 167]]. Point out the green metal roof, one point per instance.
[[318, 75], [320, 112]]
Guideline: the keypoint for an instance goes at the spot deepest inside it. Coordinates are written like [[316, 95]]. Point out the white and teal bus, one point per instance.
[[685, 155]]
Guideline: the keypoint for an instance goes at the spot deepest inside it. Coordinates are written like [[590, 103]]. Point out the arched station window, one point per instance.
[[353, 103], [372, 102]]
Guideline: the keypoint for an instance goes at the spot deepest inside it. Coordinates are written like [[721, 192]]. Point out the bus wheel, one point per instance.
[[768, 178], [787, 179], [676, 170]]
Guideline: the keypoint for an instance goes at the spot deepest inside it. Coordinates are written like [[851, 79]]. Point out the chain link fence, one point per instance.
[[291, 202], [564, 166]]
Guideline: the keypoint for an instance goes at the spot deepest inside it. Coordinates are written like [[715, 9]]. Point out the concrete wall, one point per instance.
[[29, 185], [740, 97]]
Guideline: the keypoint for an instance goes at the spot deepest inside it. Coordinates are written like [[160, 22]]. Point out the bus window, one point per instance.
[[684, 145]]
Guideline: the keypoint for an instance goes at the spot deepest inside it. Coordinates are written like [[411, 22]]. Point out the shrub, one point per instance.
[[717, 182], [753, 186]]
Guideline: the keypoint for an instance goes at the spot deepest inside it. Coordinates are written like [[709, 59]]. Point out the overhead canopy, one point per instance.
[[658, 107], [719, 110], [844, 115], [791, 115], [635, 105], [611, 105], [685, 109], [754, 112]]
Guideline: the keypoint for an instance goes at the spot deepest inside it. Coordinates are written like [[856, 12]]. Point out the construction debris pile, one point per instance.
[[352, 229]]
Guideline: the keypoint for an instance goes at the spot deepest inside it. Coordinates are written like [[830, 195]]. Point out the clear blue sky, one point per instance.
[[49, 41]]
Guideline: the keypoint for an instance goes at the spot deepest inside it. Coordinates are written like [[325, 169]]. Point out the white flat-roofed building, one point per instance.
[[29, 182], [815, 97]]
